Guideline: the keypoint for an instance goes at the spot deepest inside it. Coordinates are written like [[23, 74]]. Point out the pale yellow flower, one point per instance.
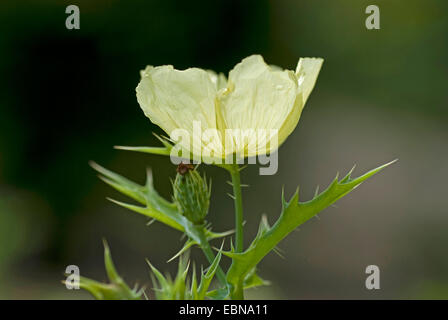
[[255, 98]]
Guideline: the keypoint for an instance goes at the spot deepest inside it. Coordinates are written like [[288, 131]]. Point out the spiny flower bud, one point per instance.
[[191, 193]]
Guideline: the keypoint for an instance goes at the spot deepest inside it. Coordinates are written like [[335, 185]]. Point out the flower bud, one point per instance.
[[191, 193]]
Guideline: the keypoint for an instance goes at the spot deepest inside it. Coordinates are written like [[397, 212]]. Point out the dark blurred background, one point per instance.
[[68, 96]]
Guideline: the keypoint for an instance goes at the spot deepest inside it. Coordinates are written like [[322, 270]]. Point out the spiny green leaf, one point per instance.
[[117, 289], [153, 150], [294, 213], [112, 273], [181, 288], [206, 278], [165, 218], [165, 150], [186, 246], [155, 206], [180, 282], [194, 286], [120, 183], [161, 281]]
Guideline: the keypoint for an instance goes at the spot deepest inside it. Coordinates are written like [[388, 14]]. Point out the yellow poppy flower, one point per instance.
[[250, 113]]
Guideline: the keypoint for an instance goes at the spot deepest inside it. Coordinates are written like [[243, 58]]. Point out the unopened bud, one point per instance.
[[191, 193]]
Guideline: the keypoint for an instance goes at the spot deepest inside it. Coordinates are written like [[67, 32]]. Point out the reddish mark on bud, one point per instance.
[[183, 168]]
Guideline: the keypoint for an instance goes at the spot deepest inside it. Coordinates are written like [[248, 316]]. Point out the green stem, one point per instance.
[[238, 292], [236, 183]]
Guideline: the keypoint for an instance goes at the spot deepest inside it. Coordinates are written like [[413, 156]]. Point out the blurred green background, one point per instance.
[[68, 96]]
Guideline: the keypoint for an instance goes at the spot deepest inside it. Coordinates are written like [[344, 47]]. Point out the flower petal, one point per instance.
[[219, 80], [257, 97], [307, 71], [175, 99]]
